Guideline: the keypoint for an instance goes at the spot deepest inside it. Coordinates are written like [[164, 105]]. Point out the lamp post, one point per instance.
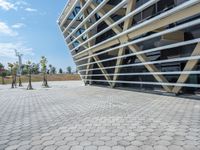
[[19, 72]]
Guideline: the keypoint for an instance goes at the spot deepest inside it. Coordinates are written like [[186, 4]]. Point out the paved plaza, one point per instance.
[[70, 116]]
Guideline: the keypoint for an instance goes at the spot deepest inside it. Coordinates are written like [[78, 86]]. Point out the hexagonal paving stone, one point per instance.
[[160, 147], [90, 148], [63, 147], [104, 148], [96, 118], [118, 148], [132, 148], [77, 148], [175, 147]]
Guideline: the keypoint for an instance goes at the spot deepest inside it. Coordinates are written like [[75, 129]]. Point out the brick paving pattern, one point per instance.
[[70, 116]]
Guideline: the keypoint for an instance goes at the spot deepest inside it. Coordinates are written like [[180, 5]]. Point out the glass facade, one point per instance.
[[138, 44]]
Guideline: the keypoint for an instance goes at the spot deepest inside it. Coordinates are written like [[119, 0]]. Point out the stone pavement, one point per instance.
[[72, 116]]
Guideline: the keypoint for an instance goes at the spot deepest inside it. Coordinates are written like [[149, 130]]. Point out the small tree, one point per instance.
[[29, 67], [69, 70], [43, 63], [10, 65], [1, 67], [60, 71], [20, 80], [76, 71], [50, 69], [24, 70], [3, 73], [53, 70], [15, 69], [35, 68]]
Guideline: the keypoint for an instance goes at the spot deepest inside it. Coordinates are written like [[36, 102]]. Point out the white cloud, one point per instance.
[[18, 4], [7, 49], [6, 30], [21, 2], [18, 25], [31, 9], [5, 5]]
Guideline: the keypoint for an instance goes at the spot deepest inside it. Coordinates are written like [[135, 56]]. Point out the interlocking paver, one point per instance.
[[63, 147], [77, 148], [71, 116], [118, 148], [132, 148], [90, 148], [51, 147], [175, 147], [146, 147], [24, 147], [160, 147], [37, 147], [104, 148], [98, 143]]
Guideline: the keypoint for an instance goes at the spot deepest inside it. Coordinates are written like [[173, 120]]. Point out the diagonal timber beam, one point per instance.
[[105, 73], [134, 48], [108, 20], [89, 59], [88, 67], [130, 7], [86, 26], [151, 67], [176, 16], [190, 65], [80, 40], [99, 64], [91, 43]]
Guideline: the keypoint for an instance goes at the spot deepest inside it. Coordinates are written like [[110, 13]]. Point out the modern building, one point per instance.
[[151, 45]]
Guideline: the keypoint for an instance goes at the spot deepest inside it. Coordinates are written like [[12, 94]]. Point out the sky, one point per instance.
[[30, 26]]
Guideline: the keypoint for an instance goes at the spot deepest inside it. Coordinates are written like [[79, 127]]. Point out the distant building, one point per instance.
[[151, 45]]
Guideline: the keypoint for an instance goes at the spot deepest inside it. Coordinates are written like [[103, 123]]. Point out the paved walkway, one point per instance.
[[71, 116]]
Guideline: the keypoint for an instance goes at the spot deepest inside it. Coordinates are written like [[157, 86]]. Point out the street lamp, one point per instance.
[[19, 72]]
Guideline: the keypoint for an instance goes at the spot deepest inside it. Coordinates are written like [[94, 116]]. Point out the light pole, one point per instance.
[[19, 72]]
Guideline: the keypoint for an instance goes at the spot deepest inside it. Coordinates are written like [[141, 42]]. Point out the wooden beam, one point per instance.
[[90, 43], [134, 48], [127, 24], [86, 26], [185, 13], [151, 67], [108, 20], [79, 40], [190, 65], [105, 73], [177, 16], [120, 12]]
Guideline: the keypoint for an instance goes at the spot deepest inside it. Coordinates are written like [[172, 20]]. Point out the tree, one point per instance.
[[36, 68], [53, 71], [29, 67], [10, 65], [24, 70], [76, 71], [60, 71], [50, 69], [43, 63], [15, 69], [3, 73], [1, 67], [69, 70]]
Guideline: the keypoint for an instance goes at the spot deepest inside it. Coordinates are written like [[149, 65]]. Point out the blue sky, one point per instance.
[[30, 26]]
